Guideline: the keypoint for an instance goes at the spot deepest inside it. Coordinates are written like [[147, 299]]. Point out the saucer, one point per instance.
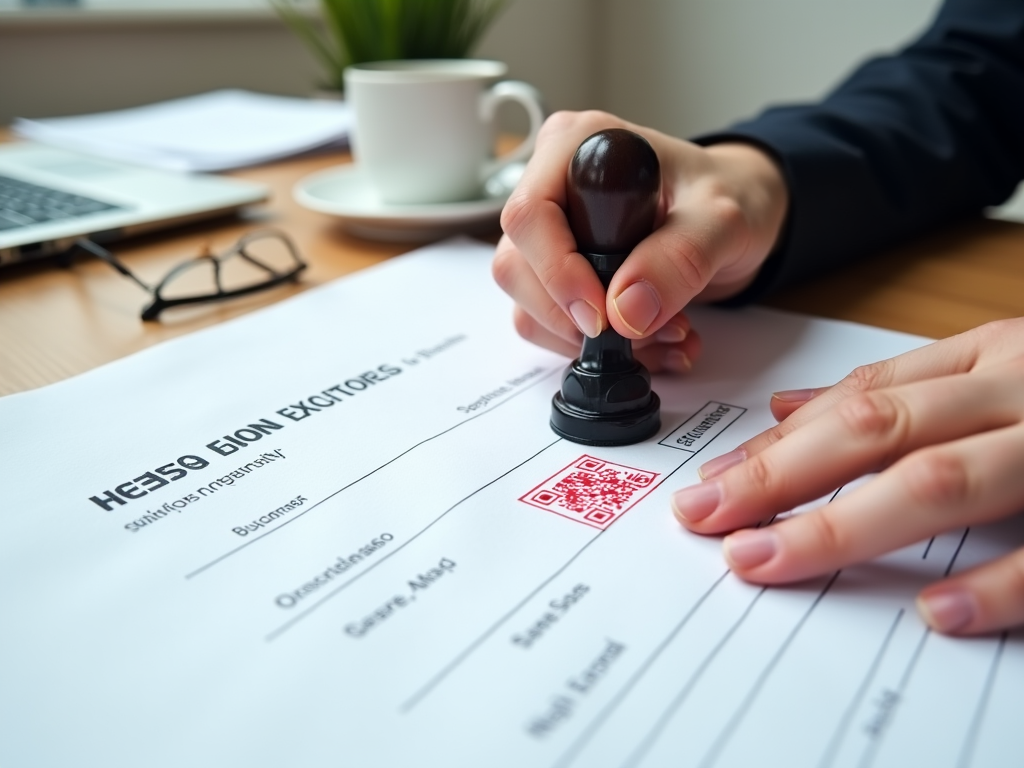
[[345, 192]]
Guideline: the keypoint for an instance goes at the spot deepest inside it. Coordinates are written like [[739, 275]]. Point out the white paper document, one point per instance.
[[209, 132], [340, 531]]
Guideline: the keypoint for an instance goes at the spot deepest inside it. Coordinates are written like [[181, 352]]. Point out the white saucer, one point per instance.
[[345, 192]]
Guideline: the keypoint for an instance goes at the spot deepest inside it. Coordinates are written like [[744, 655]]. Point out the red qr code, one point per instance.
[[592, 491]]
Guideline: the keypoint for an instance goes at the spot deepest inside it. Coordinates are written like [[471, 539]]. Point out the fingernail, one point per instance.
[[751, 548], [586, 317], [637, 306], [948, 610], [696, 502], [719, 464], [794, 395], [670, 334], [675, 360]]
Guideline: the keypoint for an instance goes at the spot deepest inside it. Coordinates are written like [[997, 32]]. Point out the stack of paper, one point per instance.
[[210, 132]]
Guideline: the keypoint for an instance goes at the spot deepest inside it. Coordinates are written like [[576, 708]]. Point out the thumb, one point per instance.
[[725, 210], [689, 253]]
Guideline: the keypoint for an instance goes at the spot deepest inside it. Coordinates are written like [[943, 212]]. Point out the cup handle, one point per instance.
[[530, 98]]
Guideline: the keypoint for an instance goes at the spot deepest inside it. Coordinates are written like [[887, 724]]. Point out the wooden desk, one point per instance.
[[956, 279], [55, 323]]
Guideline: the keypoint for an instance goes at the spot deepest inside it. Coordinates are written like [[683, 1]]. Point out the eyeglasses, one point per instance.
[[258, 261]]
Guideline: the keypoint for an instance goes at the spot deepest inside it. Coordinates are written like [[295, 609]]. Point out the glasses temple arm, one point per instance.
[[105, 255]]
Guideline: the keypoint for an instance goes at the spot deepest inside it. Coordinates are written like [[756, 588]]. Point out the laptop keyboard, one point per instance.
[[23, 204]]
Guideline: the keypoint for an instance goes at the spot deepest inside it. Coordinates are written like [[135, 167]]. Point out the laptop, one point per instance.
[[50, 197]]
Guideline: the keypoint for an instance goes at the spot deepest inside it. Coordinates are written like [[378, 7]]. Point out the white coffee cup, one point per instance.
[[424, 129]]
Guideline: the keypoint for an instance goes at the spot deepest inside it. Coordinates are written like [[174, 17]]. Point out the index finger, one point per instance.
[[941, 358], [534, 216]]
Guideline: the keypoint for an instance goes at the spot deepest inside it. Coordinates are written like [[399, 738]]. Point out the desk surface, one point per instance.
[[55, 323]]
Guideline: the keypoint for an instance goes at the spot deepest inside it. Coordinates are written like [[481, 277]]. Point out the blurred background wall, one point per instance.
[[683, 66], [689, 66], [56, 61]]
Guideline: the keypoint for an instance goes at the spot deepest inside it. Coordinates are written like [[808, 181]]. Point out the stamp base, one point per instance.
[[590, 428]]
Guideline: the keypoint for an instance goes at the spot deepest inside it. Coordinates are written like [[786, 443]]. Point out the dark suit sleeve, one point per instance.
[[907, 143]]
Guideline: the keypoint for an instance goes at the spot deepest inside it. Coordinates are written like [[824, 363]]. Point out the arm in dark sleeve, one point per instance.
[[907, 143]]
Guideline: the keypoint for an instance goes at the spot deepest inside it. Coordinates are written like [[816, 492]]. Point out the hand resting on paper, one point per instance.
[[944, 425], [720, 214]]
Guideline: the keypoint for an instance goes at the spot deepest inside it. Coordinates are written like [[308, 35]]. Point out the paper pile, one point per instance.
[[210, 132]]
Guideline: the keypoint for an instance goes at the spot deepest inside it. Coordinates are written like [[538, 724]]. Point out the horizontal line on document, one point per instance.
[[293, 518], [298, 617], [413, 700]]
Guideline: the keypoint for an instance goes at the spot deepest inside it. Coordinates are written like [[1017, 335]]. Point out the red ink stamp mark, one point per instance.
[[592, 491]]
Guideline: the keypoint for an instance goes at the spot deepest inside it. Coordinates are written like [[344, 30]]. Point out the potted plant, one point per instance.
[[355, 31]]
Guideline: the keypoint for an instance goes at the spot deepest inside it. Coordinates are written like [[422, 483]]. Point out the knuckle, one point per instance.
[[595, 119], [937, 479], [517, 213], [728, 214], [774, 434], [866, 378], [828, 534], [565, 121], [759, 476], [559, 121], [692, 263], [556, 319], [727, 225], [872, 415], [598, 116], [551, 269]]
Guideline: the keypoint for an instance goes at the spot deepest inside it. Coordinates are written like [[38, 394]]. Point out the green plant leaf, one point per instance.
[[356, 31]]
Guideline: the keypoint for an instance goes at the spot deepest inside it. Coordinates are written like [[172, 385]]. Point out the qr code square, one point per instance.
[[591, 491]]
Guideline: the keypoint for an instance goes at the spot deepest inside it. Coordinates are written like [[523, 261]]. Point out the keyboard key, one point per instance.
[[23, 204], [6, 223]]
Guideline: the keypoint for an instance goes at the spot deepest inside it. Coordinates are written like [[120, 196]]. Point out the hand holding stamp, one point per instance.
[[613, 188]]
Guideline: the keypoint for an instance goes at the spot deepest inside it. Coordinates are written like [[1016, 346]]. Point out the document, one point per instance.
[[340, 531], [210, 132]]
